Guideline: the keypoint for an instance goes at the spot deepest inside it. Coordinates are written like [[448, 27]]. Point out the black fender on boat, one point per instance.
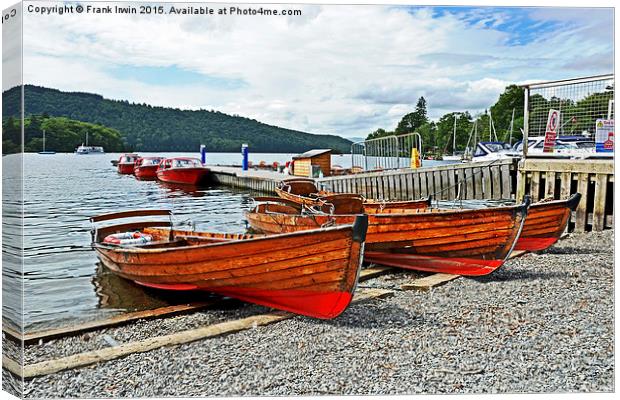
[[360, 226], [573, 201]]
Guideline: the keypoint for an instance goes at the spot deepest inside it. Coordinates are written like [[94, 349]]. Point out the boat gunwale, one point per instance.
[[571, 202], [419, 211], [138, 250]]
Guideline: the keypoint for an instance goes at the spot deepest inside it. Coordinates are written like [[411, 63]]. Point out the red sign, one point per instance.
[[553, 122], [609, 143]]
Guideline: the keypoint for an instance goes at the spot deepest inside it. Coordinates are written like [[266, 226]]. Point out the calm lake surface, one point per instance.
[[64, 282]]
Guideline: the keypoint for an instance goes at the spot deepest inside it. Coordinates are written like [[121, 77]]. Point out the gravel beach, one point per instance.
[[541, 323]]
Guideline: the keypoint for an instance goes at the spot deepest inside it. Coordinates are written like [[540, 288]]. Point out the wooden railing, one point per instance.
[[481, 180], [558, 179]]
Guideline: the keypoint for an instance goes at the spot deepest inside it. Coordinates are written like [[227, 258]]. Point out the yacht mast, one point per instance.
[[454, 137], [512, 121]]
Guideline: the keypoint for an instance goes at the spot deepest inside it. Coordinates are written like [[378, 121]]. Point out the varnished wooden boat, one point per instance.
[[545, 223], [305, 192], [312, 273], [463, 242]]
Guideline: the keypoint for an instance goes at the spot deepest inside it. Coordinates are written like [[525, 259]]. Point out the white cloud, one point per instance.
[[336, 69]]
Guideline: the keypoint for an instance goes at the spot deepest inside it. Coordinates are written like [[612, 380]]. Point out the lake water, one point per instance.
[[64, 282]]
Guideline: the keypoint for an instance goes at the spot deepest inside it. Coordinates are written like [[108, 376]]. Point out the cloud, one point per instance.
[[345, 70]]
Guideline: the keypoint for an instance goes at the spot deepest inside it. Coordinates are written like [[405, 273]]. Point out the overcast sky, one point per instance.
[[346, 70]]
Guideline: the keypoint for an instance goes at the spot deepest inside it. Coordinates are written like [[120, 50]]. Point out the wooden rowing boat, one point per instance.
[[312, 272], [305, 192], [545, 223], [463, 242]]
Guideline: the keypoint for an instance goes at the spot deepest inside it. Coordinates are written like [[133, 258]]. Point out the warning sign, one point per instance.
[[604, 135], [553, 124]]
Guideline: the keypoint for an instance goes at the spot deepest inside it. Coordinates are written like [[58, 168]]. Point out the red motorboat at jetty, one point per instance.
[[184, 170], [146, 167], [126, 163]]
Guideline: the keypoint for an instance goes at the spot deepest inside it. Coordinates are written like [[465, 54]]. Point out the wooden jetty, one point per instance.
[[481, 180], [260, 180], [506, 179], [558, 179]]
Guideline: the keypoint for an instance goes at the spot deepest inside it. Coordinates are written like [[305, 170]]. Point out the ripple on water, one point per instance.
[[63, 282]]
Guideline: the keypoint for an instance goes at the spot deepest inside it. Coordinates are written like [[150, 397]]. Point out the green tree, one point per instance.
[[445, 131], [512, 98], [414, 120]]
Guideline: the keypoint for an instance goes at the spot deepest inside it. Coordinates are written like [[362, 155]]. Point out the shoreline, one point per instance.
[[541, 323]]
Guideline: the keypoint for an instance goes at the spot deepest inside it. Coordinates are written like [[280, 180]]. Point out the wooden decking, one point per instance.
[[466, 181], [260, 180], [559, 179]]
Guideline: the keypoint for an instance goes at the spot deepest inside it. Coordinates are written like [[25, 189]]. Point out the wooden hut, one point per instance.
[[321, 158]]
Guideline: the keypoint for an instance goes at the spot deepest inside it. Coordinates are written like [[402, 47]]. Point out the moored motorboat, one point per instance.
[[126, 163], [146, 167], [545, 223], [312, 272], [304, 191], [464, 242], [183, 170]]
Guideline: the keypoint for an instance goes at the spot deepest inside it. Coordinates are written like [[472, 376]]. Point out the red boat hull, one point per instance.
[[535, 244], [325, 305], [444, 265], [187, 176], [146, 172], [546, 221], [125, 168]]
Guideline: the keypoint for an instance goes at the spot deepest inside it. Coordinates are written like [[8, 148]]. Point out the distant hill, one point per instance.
[[147, 128]]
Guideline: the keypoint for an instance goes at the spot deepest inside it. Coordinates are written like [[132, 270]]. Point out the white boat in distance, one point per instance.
[[89, 149]]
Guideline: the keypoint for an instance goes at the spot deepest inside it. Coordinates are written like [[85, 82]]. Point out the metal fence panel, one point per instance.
[[580, 102], [389, 152]]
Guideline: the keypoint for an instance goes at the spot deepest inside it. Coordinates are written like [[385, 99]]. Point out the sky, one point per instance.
[[345, 70]]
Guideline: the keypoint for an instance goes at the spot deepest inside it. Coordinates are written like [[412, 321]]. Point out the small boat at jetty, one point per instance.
[[184, 170], [312, 272], [304, 191], [545, 223], [126, 163], [146, 167], [463, 242]]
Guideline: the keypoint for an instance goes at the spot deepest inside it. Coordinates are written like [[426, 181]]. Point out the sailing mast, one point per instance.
[[454, 137], [512, 121]]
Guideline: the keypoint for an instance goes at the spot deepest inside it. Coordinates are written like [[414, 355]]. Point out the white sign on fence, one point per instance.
[[604, 135]]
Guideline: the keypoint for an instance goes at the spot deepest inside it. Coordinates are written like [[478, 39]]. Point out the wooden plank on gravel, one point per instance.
[[375, 271], [517, 253], [11, 365], [122, 319], [115, 321], [111, 353], [429, 282]]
